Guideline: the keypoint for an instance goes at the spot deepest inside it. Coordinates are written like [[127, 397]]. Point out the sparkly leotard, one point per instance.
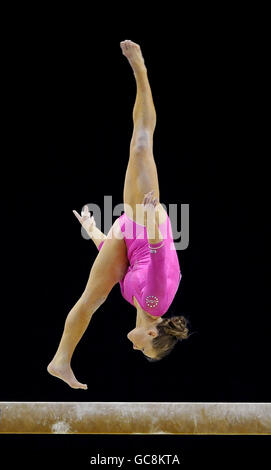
[[153, 275]]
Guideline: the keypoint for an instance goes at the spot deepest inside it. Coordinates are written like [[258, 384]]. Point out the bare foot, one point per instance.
[[132, 51], [65, 373]]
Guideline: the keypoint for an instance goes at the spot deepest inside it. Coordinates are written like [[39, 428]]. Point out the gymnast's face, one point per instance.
[[142, 339]]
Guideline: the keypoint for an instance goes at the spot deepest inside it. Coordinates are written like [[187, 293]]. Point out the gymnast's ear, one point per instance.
[[152, 332]]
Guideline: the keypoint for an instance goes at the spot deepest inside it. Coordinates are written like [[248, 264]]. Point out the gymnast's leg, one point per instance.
[[141, 174], [107, 270]]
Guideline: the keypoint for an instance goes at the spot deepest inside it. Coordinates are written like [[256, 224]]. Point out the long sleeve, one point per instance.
[[154, 295]]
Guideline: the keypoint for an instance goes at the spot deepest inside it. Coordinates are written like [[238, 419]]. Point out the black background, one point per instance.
[[68, 122]]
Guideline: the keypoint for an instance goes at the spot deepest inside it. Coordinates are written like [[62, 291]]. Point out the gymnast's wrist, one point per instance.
[[154, 236], [156, 243], [91, 232], [154, 247]]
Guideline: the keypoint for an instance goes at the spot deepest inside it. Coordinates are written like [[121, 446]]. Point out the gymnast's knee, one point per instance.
[[90, 303], [141, 143]]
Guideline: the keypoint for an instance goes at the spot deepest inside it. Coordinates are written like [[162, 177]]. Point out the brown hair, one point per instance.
[[170, 330]]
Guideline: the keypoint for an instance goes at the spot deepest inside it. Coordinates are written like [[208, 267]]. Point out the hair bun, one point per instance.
[[176, 326], [170, 330]]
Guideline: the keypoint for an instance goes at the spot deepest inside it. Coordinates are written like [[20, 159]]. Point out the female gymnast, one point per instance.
[[138, 251]]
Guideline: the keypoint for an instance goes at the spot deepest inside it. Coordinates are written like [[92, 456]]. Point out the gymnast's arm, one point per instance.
[[151, 218], [156, 275], [154, 294], [89, 224], [155, 290]]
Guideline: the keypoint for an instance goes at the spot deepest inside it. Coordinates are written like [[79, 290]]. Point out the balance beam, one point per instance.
[[134, 418]]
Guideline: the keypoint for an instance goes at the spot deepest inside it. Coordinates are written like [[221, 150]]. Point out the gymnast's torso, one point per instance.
[[152, 277]]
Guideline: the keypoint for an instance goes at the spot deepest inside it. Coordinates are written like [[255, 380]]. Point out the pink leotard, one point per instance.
[[152, 277]]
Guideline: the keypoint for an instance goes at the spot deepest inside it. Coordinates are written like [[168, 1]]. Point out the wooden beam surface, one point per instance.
[[134, 418]]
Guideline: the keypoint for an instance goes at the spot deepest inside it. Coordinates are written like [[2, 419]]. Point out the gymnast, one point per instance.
[[138, 251]]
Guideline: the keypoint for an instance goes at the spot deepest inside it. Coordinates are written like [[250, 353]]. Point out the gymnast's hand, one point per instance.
[[150, 204], [87, 222]]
